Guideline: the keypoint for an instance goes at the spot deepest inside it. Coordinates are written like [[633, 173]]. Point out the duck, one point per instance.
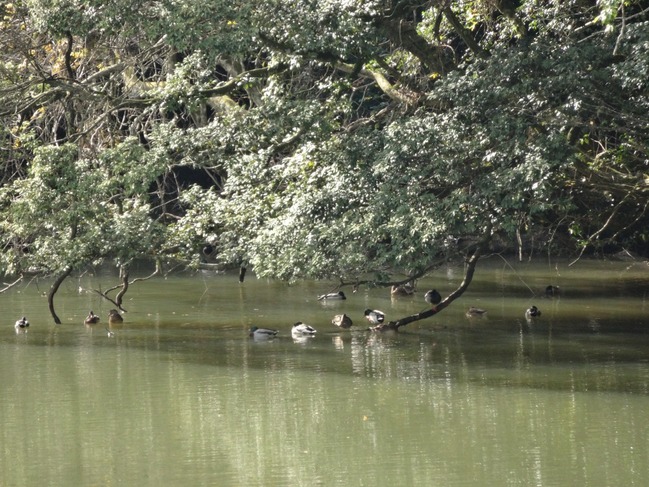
[[402, 290], [342, 321], [21, 324], [433, 297], [91, 319], [262, 333], [374, 316], [338, 295], [302, 329], [474, 312], [532, 312], [114, 317], [551, 291]]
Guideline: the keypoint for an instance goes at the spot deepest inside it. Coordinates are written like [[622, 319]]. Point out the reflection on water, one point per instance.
[[180, 393]]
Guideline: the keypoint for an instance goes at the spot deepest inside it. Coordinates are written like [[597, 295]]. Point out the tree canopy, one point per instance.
[[319, 139]]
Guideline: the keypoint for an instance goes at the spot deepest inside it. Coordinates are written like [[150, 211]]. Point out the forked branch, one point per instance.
[[125, 283]]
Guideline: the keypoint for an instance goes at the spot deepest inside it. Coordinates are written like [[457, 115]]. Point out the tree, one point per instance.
[[70, 212], [357, 141]]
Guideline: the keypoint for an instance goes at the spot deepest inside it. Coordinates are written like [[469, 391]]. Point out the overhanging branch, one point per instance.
[[10, 285], [468, 277]]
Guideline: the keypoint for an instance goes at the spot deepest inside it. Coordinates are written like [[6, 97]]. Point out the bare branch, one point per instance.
[[68, 55], [125, 284], [123, 274], [9, 286], [468, 277], [53, 289], [108, 298], [599, 232], [157, 271]]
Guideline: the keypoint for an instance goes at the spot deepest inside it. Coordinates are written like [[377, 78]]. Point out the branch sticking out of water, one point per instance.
[[55, 287], [468, 277], [125, 283]]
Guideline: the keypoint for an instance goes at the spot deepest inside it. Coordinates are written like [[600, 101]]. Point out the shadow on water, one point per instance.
[[599, 318]]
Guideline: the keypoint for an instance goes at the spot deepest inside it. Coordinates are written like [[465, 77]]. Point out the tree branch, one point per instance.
[[604, 227], [468, 277], [228, 86], [53, 289], [68, 55], [403, 96], [108, 298], [464, 33], [9, 286], [157, 271], [123, 274], [124, 285]]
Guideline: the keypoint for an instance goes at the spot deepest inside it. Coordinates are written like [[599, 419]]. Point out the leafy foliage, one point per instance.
[[71, 211], [318, 139]]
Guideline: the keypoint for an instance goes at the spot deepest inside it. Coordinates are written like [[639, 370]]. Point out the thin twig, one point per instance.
[[108, 298], [515, 272], [599, 232], [9, 286]]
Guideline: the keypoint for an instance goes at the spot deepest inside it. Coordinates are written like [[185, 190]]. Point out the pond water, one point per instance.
[[181, 394]]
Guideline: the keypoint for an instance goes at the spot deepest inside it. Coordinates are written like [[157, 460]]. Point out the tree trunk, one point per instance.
[[123, 274], [53, 289], [468, 277], [464, 33]]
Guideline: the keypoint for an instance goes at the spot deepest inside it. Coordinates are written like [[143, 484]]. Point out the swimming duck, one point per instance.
[[402, 290], [532, 312], [302, 329], [342, 321], [262, 333], [114, 317], [338, 295], [474, 312], [374, 316], [91, 319], [551, 291], [433, 298], [21, 324]]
